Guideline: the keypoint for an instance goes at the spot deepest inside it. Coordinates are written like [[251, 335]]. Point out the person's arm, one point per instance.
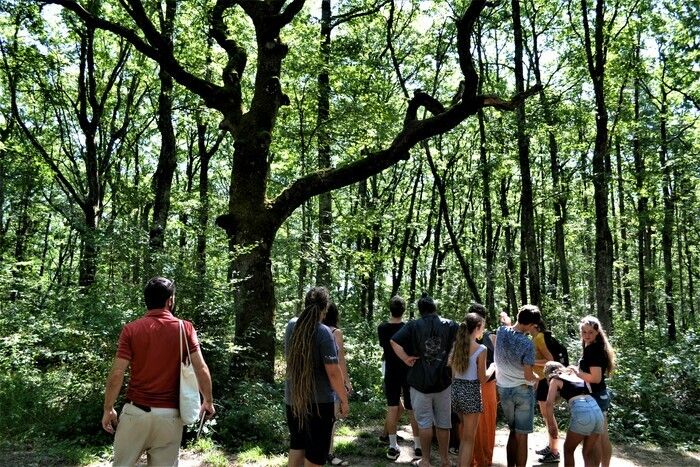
[[401, 353], [335, 377], [594, 377], [110, 419], [554, 387], [340, 342], [201, 371], [481, 367], [541, 347], [528, 374]]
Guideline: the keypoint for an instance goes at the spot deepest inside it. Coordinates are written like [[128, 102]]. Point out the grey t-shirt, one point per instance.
[[324, 352]]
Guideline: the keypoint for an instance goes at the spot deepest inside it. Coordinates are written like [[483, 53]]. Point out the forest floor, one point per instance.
[[363, 449]]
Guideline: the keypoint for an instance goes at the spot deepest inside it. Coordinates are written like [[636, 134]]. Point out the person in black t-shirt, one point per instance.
[[395, 384], [597, 362]]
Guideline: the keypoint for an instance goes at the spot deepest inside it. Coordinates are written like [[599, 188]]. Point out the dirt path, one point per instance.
[[623, 456]]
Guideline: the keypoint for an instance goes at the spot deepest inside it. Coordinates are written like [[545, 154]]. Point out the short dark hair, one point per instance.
[[397, 306], [157, 291], [331, 318], [477, 308], [529, 314], [426, 304]]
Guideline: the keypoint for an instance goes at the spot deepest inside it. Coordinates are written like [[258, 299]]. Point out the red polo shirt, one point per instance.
[[151, 346]]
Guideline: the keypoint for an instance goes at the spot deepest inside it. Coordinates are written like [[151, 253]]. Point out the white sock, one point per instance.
[[392, 441], [416, 442]]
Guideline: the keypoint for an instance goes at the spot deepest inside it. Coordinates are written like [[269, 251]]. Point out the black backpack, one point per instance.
[[558, 351]]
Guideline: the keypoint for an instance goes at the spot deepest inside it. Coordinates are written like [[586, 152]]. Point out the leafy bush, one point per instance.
[[656, 389], [254, 412]]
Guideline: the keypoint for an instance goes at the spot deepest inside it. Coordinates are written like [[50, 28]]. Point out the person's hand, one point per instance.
[[410, 361], [208, 407], [344, 409], [110, 420], [348, 387]]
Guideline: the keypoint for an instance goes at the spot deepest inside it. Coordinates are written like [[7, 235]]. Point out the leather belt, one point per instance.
[[145, 408]]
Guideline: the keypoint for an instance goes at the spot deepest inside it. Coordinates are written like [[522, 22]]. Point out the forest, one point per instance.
[[524, 151]]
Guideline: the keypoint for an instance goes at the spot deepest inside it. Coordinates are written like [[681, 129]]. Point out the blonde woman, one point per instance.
[[597, 362], [313, 374]]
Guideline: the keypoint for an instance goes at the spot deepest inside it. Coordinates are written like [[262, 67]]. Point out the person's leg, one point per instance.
[[296, 440], [318, 434], [551, 425], [524, 413], [485, 438], [570, 444], [130, 439], [442, 406], [296, 458], [606, 446], [166, 433], [336, 413], [511, 449], [423, 411], [470, 423], [590, 450]]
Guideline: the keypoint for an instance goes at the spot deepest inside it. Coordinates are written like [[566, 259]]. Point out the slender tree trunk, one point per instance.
[[626, 286], [512, 307], [642, 205], [596, 57], [407, 234], [669, 220], [325, 203], [167, 159], [527, 230]]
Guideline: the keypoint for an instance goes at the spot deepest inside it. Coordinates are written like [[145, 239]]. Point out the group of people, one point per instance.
[[433, 369]]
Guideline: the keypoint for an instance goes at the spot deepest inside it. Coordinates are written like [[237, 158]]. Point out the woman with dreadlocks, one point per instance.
[[313, 374]]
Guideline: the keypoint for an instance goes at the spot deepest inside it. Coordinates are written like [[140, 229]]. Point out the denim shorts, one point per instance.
[[432, 408], [518, 405], [603, 399], [586, 416]]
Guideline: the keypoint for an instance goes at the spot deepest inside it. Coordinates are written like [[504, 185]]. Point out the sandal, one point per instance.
[[332, 460]]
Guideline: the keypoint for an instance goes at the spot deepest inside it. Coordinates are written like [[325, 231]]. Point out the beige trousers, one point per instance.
[[157, 432]]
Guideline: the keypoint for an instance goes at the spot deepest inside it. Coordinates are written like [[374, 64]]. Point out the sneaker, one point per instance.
[[417, 453], [454, 451], [385, 438], [549, 458], [543, 452], [392, 453]]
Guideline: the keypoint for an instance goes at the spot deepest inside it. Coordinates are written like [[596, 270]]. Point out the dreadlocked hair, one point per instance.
[[300, 356], [459, 360]]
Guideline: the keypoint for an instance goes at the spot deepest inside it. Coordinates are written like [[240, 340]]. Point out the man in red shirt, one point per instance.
[[150, 420]]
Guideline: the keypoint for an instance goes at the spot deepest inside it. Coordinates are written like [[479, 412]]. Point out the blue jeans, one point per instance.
[[518, 405], [586, 417]]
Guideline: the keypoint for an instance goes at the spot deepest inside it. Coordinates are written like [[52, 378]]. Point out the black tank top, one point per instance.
[[569, 389]]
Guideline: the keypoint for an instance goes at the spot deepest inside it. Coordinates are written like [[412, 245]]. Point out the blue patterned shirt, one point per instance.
[[513, 351]]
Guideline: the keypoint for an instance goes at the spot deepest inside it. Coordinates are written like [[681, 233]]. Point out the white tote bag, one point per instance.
[[189, 389]]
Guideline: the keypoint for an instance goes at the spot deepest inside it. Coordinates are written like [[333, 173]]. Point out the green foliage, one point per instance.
[[253, 414], [656, 389]]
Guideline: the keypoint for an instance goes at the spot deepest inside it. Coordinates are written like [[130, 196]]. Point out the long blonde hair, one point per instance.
[[459, 359], [300, 356], [601, 337]]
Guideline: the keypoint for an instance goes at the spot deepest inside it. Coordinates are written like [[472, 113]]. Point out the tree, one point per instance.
[[254, 219]]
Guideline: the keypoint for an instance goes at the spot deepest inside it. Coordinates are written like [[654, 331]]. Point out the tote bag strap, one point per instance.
[[183, 336]]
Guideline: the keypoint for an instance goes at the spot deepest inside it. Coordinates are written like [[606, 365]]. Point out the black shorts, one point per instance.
[[315, 436], [394, 385], [542, 390]]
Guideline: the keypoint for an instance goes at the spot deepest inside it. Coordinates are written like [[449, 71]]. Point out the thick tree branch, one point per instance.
[[214, 96]]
